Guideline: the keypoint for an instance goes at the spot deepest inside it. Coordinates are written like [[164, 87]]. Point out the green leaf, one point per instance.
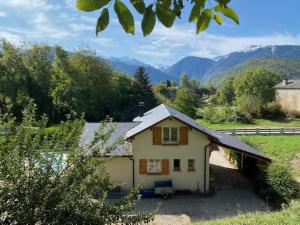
[[167, 3], [139, 5], [196, 10], [218, 19], [148, 21], [165, 15], [103, 21], [125, 17], [228, 12], [204, 20], [91, 5]]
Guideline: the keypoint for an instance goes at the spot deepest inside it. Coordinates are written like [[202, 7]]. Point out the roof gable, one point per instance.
[[163, 112]]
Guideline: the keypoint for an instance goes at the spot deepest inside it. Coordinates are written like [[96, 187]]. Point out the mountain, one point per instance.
[[289, 68], [128, 66], [205, 69], [194, 67]]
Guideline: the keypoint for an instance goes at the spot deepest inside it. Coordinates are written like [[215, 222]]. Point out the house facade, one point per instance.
[[164, 144], [288, 95]]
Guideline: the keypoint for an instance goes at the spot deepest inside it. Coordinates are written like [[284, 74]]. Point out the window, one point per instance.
[[176, 164], [154, 166], [170, 135], [191, 165]]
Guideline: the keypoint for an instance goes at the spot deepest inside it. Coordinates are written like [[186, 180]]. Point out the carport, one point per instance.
[[222, 171]]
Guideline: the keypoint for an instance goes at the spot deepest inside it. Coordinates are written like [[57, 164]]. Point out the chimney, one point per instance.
[[285, 81], [141, 108]]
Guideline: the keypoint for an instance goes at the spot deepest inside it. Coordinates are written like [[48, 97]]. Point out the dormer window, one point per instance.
[[170, 135]]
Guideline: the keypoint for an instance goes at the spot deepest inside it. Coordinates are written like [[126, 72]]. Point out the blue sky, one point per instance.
[[58, 22]]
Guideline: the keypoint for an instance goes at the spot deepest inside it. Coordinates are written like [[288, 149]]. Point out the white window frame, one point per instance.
[[190, 168], [170, 135], [154, 166]]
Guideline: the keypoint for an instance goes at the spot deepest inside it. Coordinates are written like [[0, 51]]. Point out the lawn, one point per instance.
[[258, 123], [288, 216], [281, 147]]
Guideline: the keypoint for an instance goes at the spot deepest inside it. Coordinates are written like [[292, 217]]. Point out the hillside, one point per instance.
[[289, 68], [128, 66], [192, 66]]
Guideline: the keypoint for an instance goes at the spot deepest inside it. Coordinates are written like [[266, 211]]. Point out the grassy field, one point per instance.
[[289, 216], [258, 123], [281, 147]]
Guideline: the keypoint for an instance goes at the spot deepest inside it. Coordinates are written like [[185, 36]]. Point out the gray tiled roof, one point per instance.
[[162, 112], [119, 133], [291, 84]]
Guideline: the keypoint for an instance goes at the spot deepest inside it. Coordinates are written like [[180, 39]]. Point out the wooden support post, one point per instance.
[[242, 163]]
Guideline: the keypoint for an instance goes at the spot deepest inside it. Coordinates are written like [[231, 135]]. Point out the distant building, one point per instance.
[[288, 94]]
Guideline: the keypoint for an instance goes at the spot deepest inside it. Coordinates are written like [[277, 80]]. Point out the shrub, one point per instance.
[[272, 110], [222, 114], [279, 177]]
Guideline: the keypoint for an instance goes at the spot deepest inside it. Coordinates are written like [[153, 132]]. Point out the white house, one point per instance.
[[165, 144]]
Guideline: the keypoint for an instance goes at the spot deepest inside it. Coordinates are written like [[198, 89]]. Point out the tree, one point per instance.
[[257, 82], [91, 84], [186, 102], [37, 62], [184, 81], [165, 11], [53, 178], [14, 77], [225, 94], [142, 89]]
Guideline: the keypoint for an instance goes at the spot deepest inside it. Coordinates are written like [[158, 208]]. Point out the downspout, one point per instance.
[[133, 181], [205, 150]]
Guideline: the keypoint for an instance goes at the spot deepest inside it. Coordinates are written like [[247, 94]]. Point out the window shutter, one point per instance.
[[184, 135], [143, 166], [157, 135], [165, 167]]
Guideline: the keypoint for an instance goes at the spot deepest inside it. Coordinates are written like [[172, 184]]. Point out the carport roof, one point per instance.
[[163, 112]]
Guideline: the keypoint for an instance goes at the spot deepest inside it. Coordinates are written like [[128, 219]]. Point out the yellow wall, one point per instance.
[[289, 99], [120, 170], [143, 148]]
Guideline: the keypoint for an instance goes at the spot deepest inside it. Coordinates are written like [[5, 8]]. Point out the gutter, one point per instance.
[[205, 150], [133, 181]]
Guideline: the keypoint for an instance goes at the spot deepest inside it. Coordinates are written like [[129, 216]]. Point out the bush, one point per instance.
[[222, 114], [281, 183], [272, 110]]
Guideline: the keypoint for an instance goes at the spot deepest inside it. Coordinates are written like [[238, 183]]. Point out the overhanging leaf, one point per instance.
[[165, 15], [103, 21], [148, 21], [218, 19], [139, 5], [204, 20], [196, 10], [125, 17], [91, 5], [229, 12]]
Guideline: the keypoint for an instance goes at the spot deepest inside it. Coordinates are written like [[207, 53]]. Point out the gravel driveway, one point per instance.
[[234, 194]]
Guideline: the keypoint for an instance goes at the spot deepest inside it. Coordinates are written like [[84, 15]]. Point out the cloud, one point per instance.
[[12, 38], [29, 4], [45, 28], [2, 14], [180, 41]]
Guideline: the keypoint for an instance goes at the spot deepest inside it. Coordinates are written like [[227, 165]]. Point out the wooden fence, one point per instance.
[[262, 131]]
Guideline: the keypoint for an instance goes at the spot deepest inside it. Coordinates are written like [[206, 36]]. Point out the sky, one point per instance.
[[58, 22]]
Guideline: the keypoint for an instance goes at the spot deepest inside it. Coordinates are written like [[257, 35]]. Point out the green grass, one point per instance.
[[258, 123], [281, 147], [288, 216]]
